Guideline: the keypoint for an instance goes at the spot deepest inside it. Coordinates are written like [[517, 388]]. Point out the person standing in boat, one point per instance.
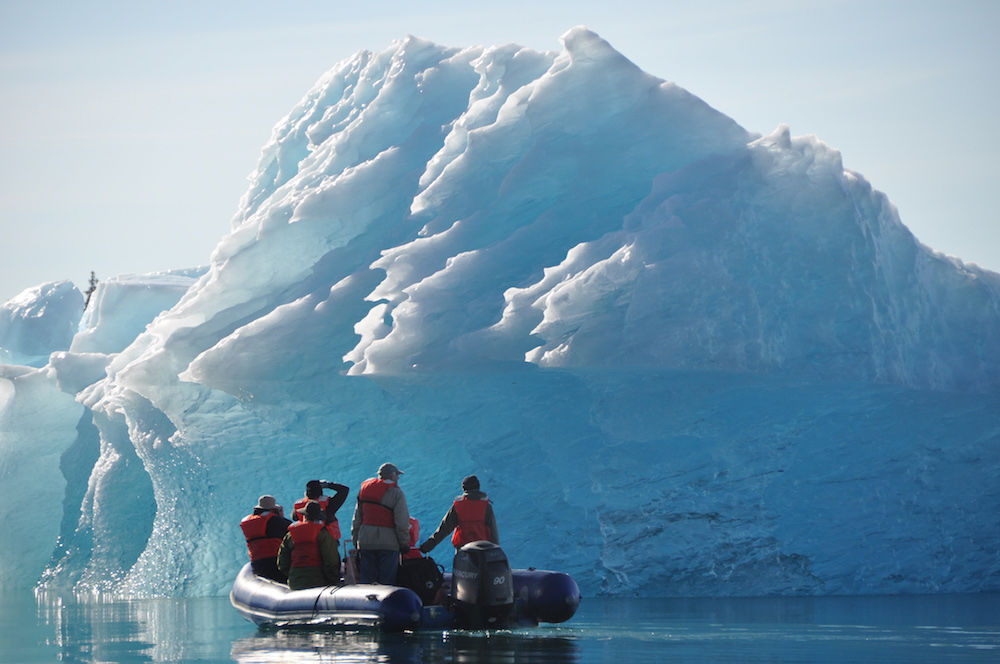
[[309, 554], [414, 551], [264, 529], [470, 517], [330, 504], [381, 526]]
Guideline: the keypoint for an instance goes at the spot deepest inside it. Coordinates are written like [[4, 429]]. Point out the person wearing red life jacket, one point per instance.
[[308, 554], [414, 551], [470, 517], [330, 504], [264, 529], [380, 528], [420, 573]]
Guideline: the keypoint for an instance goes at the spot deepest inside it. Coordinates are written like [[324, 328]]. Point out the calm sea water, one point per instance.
[[959, 628]]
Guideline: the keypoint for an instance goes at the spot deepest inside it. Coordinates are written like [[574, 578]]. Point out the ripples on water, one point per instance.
[[831, 629]]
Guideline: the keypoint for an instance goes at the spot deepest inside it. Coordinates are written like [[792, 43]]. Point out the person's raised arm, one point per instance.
[[336, 500]]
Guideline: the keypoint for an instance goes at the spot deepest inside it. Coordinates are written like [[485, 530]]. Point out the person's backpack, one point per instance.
[[421, 575]]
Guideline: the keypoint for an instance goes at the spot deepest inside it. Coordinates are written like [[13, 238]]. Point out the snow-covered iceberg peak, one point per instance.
[[699, 360], [38, 321]]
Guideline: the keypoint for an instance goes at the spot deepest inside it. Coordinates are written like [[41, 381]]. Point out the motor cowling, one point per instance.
[[482, 586]]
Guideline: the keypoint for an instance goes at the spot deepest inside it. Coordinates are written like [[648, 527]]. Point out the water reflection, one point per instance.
[[93, 632], [914, 629], [346, 647], [136, 630]]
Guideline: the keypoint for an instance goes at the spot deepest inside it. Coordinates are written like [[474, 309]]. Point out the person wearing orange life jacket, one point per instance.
[[264, 529], [420, 573], [308, 554], [470, 517], [330, 504], [381, 526], [414, 551]]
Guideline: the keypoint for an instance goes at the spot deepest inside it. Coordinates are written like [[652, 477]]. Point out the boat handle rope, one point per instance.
[[318, 595]]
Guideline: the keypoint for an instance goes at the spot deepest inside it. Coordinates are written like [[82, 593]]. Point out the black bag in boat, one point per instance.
[[421, 575]]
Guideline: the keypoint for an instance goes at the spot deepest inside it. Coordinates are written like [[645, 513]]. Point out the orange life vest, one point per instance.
[[333, 526], [258, 543], [373, 512], [414, 551], [305, 536], [471, 521]]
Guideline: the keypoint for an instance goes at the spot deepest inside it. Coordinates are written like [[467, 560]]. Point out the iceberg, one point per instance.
[[683, 358], [39, 321]]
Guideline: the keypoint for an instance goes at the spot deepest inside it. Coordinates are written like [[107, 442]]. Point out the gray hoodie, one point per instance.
[[381, 538]]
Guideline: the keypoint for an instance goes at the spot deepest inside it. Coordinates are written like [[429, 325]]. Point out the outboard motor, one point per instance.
[[482, 586]]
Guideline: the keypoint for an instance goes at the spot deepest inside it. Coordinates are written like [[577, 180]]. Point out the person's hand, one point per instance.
[[403, 550], [426, 547]]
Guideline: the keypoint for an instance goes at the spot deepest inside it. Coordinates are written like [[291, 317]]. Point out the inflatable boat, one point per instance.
[[482, 593]]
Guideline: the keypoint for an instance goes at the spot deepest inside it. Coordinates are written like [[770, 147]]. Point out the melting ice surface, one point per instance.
[[683, 358]]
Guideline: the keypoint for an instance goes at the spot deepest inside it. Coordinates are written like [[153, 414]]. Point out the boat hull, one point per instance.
[[539, 596], [267, 602], [545, 596]]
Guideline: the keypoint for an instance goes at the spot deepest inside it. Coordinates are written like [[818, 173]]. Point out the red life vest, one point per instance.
[[373, 512], [333, 526], [471, 521], [414, 551], [305, 536], [258, 543], [299, 504]]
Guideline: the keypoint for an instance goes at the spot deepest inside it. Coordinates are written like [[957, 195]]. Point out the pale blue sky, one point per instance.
[[127, 129]]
